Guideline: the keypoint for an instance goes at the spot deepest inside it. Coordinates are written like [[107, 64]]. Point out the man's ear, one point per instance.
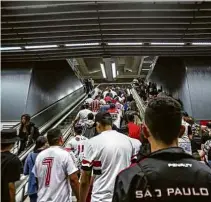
[[182, 131], [145, 131]]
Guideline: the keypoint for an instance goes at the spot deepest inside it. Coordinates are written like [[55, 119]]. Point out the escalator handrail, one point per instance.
[[49, 123], [141, 106]]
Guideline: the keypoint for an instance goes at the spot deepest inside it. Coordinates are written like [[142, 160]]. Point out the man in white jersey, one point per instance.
[[82, 115], [106, 155], [76, 144], [55, 172]]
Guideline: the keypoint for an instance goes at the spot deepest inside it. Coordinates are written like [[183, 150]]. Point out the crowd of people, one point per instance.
[[114, 156]]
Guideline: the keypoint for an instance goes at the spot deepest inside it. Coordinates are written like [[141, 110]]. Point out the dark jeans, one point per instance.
[[33, 198]]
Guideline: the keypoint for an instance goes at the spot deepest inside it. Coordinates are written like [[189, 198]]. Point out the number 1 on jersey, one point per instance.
[[49, 163]]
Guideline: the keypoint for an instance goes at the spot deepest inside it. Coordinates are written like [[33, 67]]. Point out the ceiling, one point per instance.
[[26, 23], [90, 27]]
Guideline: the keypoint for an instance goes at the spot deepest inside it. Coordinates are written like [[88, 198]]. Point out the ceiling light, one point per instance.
[[113, 65], [124, 44], [10, 48], [117, 73], [44, 46], [82, 44], [202, 43], [103, 70], [145, 69], [177, 44]]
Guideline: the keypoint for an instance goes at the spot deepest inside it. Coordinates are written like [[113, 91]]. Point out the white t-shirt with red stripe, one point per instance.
[[76, 145], [107, 154], [52, 166]]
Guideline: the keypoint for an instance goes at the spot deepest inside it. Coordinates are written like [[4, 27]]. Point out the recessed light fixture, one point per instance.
[[10, 48], [103, 70], [113, 65], [202, 43], [82, 44], [39, 47], [166, 44], [123, 44], [145, 69]]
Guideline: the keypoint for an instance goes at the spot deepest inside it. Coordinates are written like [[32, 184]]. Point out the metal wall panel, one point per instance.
[[50, 82], [169, 73], [190, 79], [14, 90], [199, 83]]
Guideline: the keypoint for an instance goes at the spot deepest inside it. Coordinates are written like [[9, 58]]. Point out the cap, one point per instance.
[[9, 136]]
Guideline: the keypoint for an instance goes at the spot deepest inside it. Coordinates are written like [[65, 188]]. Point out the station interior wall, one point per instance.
[[187, 79], [31, 87]]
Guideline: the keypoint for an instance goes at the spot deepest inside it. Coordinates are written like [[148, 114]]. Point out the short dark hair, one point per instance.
[[40, 142], [112, 106], [104, 118], [89, 96], [90, 116], [78, 129], [130, 117], [163, 117], [53, 136]]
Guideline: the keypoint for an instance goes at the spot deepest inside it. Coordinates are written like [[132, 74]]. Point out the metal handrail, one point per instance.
[[141, 106]]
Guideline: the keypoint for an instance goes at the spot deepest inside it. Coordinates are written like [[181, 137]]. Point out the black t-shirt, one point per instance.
[[10, 172]]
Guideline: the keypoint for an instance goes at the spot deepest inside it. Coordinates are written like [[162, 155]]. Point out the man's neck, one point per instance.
[[155, 146], [107, 128]]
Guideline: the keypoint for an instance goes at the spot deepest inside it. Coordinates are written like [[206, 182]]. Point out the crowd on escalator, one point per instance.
[[115, 156]]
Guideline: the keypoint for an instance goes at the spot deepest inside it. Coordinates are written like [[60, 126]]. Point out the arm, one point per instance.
[[84, 185], [12, 191], [73, 178], [26, 166], [76, 118], [14, 168]]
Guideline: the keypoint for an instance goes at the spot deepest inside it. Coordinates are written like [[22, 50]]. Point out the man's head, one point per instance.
[[89, 96], [97, 97], [130, 118], [54, 137], [103, 121], [163, 120], [8, 139], [78, 129], [112, 106], [90, 116]]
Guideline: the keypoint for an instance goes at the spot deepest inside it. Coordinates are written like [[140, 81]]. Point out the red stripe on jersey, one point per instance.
[[86, 162], [68, 149], [97, 163]]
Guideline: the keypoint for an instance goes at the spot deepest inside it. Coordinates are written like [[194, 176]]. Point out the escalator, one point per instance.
[[65, 125]]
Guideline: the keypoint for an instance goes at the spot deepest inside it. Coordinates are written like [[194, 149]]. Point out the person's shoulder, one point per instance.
[[129, 172], [203, 168]]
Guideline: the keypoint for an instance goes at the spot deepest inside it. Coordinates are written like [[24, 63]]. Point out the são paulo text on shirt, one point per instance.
[[191, 191]]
